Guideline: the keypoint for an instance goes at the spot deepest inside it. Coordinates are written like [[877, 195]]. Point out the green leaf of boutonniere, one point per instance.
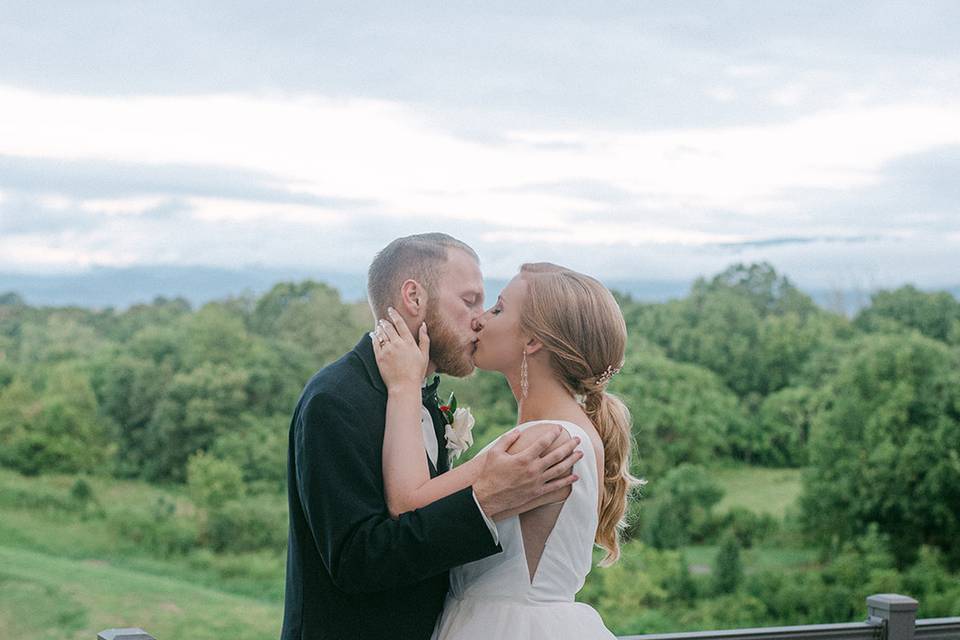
[[452, 403]]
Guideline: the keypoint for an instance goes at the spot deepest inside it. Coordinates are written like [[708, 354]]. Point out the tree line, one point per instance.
[[744, 369]]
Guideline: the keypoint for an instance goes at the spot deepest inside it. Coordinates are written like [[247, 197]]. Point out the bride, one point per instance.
[[557, 336]]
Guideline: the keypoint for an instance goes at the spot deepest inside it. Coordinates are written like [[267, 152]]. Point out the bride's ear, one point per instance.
[[533, 345], [413, 299]]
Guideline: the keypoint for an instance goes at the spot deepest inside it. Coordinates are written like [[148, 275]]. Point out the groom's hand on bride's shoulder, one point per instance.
[[525, 469]]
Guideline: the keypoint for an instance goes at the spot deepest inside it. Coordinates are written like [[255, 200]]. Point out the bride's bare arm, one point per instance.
[[407, 482], [406, 478]]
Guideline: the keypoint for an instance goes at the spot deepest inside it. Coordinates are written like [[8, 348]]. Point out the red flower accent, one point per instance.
[[444, 408]]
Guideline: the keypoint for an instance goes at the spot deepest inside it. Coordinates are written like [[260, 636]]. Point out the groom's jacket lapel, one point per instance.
[[364, 351]]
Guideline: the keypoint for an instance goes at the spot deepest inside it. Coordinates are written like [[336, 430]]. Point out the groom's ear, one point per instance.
[[413, 299]]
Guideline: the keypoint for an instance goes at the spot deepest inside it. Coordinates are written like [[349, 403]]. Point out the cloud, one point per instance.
[[627, 137], [106, 179], [19, 215], [236, 177], [787, 241], [632, 64], [913, 196]]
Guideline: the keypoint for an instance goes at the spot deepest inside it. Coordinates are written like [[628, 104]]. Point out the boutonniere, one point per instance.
[[459, 427]]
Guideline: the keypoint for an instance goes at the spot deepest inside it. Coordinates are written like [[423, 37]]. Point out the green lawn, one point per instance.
[[758, 489], [65, 576], [33, 517], [47, 597], [756, 559]]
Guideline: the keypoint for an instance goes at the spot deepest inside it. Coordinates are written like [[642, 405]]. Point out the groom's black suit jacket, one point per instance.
[[352, 571]]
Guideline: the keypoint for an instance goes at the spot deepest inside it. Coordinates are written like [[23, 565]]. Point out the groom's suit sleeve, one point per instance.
[[340, 487]]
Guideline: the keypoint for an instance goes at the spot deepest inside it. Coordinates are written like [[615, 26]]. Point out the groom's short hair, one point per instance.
[[417, 257]]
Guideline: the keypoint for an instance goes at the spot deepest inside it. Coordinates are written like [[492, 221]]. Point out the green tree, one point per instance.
[[884, 448], [681, 412], [783, 421], [196, 408], [259, 450], [63, 337], [213, 482], [680, 511], [55, 428], [748, 324], [310, 315], [128, 389], [212, 336], [160, 313], [727, 567], [932, 314]]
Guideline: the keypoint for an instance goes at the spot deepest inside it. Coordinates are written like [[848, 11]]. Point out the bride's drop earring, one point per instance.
[[524, 378]]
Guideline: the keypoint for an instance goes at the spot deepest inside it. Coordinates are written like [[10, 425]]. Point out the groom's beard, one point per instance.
[[447, 352]]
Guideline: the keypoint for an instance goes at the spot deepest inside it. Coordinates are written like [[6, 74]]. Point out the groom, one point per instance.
[[352, 571]]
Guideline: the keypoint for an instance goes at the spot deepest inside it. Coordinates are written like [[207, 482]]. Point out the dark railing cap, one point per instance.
[[130, 633], [892, 602]]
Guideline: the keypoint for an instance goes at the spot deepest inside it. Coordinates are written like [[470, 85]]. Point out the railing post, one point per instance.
[[124, 634], [898, 613]]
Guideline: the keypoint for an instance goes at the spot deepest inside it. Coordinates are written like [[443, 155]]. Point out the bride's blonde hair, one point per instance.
[[582, 328]]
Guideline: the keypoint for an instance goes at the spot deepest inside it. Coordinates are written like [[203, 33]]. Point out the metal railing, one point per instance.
[[889, 617]]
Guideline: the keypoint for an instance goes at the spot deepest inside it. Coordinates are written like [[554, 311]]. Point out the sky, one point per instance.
[[646, 140]]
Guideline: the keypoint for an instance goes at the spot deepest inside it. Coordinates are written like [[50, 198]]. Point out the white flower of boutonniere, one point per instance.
[[459, 432], [459, 429]]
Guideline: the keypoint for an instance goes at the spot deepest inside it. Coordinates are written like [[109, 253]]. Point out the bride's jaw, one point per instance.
[[477, 356]]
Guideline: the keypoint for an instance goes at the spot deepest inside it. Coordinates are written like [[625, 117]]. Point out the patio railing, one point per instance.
[[889, 617]]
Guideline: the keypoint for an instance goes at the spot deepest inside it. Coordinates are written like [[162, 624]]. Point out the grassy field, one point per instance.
[[36, 515], [47, 597], [67, 573], [760, 490], [701, 557]]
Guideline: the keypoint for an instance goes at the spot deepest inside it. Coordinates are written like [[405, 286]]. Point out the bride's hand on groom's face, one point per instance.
[[402, 362]]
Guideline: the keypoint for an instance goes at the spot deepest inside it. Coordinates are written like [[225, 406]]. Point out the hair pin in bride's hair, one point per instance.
[[604, 377]]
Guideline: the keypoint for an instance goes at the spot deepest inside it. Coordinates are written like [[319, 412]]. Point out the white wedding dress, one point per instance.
[[495, 597]]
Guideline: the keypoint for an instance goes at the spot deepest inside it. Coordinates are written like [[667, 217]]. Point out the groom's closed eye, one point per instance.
[[473, 300]]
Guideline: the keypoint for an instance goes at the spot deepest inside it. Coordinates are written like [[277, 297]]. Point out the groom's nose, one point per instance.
[[477, 323]]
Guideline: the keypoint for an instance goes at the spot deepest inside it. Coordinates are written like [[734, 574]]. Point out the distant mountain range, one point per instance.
[[119, 288]]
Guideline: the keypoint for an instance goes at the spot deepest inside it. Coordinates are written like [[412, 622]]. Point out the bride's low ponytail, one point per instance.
[[582, 328], [612, 420]]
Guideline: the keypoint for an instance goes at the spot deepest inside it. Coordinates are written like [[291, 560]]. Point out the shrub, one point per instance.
[[681, 509], [727, 568], [248, 525], [213, 482], [746, 526], [158, 530]]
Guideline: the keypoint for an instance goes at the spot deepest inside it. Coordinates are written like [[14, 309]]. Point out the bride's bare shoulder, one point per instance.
[[533, 433]]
